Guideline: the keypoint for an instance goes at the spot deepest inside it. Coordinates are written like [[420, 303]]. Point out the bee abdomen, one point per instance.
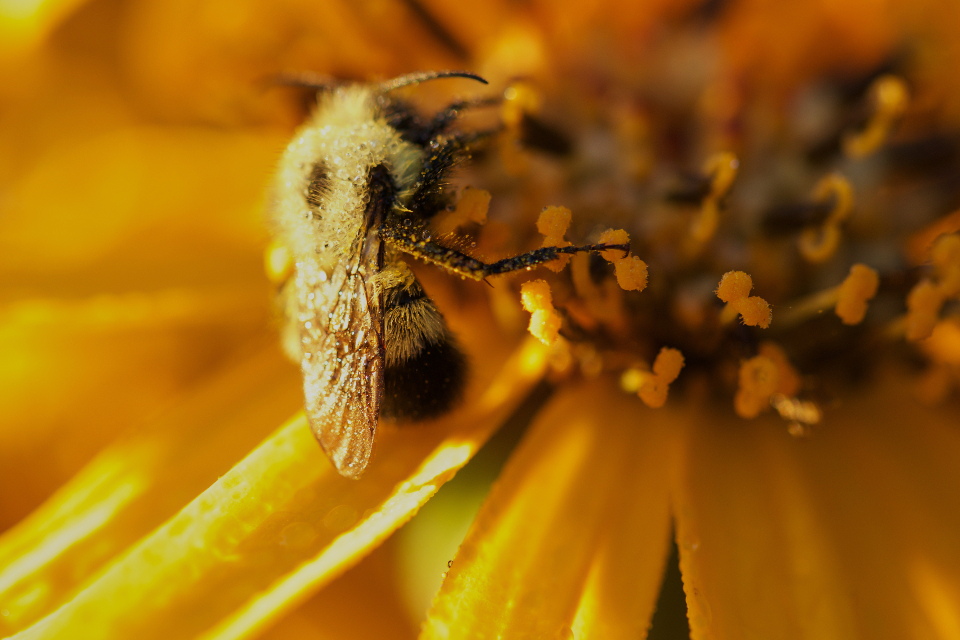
[[425, 371]]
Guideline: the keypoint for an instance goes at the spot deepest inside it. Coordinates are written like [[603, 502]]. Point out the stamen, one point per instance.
[[919, 245], [923, 307], [518, 99], [890, 97], [630, 270], [553, 224], [605, 301], [788, 379], [733, 289], [945, 257], [544, 319], [927, 297], [849, 299], [722, 168], [943, 350], [472, 207], [819, 244], [759, 379], [654, 386], [944, 343], [854, 292], [278, 263], [631, 273]]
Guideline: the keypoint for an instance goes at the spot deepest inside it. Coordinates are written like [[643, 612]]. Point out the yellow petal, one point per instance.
[[362, 604], [138, 483], [25, 23], [574, 535], [171, 205], [75, 373], [850, 533], [269, 532]]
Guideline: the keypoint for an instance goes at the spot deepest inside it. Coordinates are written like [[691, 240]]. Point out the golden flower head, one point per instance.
[[769, 377]]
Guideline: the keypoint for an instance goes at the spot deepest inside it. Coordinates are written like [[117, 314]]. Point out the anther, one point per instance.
[[733, 289], [722, 168], [889, 97], [928, 296], [653, 386], [553, 224], [630, 270], [472, 207], [819, 244], [544, 319], [853, 293], [759, 379]]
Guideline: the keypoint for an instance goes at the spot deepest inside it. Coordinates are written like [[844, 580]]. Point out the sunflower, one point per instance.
[[767, 383]]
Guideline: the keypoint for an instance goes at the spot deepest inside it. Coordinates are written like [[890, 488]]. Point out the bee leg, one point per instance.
[[412, 243], [442, 153]]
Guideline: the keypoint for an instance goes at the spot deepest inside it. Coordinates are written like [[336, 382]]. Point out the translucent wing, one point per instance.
[[342, 362]]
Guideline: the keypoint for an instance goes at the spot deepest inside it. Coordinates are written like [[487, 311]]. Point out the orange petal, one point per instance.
[[574, 535], [850, 533]]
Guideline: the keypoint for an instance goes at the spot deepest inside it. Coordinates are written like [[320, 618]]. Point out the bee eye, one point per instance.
[[319, 183]]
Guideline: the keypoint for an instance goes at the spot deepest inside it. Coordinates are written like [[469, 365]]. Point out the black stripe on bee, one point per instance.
[[425, 371]]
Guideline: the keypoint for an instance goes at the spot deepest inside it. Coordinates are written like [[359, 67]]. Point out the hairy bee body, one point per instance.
[[369, 339], [356, 189]]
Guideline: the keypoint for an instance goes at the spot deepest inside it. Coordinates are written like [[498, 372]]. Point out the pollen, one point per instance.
[[472, 207], [630, 270], [788, 379], [734, 286], [733, 289], [854, 292], [553, 224], [544, 319], [631, 273], [668, 364], [923, 307], [613, 236], [654, 386], [759, 379]]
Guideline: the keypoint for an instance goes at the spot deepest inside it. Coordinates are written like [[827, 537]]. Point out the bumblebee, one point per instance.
[[356, 188]]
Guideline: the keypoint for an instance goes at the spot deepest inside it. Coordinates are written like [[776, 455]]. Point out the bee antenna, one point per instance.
[[423, 76]]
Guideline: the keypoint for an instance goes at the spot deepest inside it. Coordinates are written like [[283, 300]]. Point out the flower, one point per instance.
[[790, 160]]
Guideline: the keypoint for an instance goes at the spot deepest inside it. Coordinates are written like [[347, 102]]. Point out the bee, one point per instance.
[[356, 189]]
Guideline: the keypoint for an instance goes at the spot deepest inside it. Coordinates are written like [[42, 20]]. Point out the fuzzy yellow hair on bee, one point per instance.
[[356, 188]]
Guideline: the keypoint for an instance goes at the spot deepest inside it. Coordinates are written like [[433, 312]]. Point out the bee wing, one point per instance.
[[342, 364]]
